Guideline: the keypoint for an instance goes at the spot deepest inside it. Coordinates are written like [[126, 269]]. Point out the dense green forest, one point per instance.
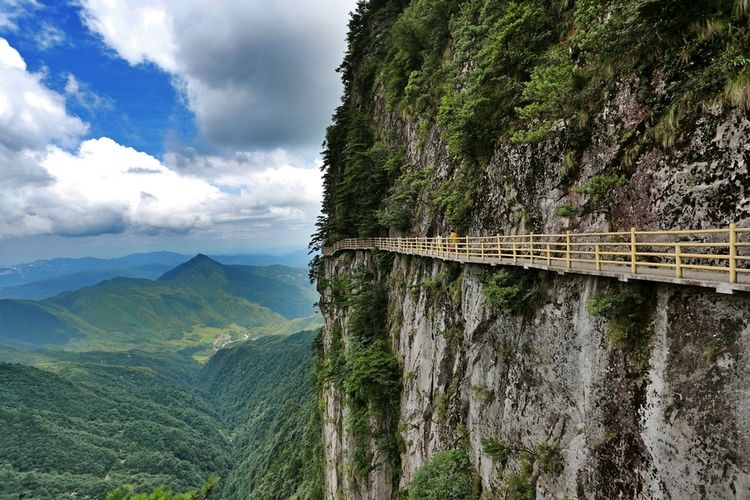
[[185, 309], [264, 393], [82, 424], [87, 427]]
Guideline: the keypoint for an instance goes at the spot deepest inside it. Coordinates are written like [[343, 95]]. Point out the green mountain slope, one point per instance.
[[264, 393], [188, 307], [81, 424], [43, 289], [278, 288], [28, 324], [81, 428]]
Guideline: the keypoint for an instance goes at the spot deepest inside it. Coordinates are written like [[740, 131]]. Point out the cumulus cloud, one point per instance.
[[273, 178], [55, 183], [257, 75], [104, 187], [140, 31], [31, 115]]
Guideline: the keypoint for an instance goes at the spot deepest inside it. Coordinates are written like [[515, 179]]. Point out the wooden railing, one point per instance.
[[717, 258]]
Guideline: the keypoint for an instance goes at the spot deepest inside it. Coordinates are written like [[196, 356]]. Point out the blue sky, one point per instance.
[[187, 125], [134, 105]]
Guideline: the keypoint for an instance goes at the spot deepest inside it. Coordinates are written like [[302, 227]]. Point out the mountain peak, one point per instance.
[[200, 265]]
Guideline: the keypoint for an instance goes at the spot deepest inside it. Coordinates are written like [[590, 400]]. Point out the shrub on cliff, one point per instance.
[[448, 475]]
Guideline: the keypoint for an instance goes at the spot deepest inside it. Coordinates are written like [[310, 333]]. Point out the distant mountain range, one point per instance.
[[186, 309], [46, 278]]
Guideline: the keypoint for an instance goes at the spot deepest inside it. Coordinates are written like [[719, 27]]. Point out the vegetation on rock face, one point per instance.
[[448, 475], [366, 370], [520, 482], [628, 315], [400, 204], [372, 376], [483, 76], [509, 290]]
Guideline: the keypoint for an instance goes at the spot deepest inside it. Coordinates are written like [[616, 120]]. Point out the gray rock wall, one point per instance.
[[548, 374]]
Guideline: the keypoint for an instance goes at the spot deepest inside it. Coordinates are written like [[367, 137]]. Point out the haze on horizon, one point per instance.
[[130, 127]]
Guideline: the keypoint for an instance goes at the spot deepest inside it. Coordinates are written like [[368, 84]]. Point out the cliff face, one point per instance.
[[554, 385], [676, 429]]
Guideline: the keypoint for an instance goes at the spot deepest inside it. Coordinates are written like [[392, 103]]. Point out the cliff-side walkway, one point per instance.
[[714, 258]]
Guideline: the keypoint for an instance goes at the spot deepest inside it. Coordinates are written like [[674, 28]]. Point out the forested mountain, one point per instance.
[[264, 393], [84, 428], [81, 424], [45, 278], [186, 308]]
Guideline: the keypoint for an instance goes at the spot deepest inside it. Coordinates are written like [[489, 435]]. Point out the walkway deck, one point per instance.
[[713, 258]]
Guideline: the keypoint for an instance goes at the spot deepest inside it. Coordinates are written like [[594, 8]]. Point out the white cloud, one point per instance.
[[31, 115], [271, 178], [9, 57], [105, 187], [257, 75], [103, 176], [56, 183], [139, 30]]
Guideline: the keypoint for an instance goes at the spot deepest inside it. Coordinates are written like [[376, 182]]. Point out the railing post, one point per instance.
[[515, 251], [733, 253], [597, 262], [549, 256], [531, 247], [499, 249], [568, 261], [633, 252], [466, 243], [678, 261], [481, 249]]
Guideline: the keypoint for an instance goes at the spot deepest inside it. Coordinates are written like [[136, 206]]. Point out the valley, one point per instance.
[[78, 425], [184, 310]]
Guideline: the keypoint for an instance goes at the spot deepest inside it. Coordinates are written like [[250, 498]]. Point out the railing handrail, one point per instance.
[[641, 254]]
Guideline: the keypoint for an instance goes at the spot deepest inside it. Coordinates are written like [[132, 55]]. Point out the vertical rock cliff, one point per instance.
[[502, 117]]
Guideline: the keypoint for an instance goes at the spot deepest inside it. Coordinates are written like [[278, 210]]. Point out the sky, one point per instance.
[[184, 125]]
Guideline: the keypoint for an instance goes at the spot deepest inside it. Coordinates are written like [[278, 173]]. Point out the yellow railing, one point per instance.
[[707, 257]]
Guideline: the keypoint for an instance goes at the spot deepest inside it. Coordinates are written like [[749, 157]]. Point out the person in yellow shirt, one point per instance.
[[454, 240]]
